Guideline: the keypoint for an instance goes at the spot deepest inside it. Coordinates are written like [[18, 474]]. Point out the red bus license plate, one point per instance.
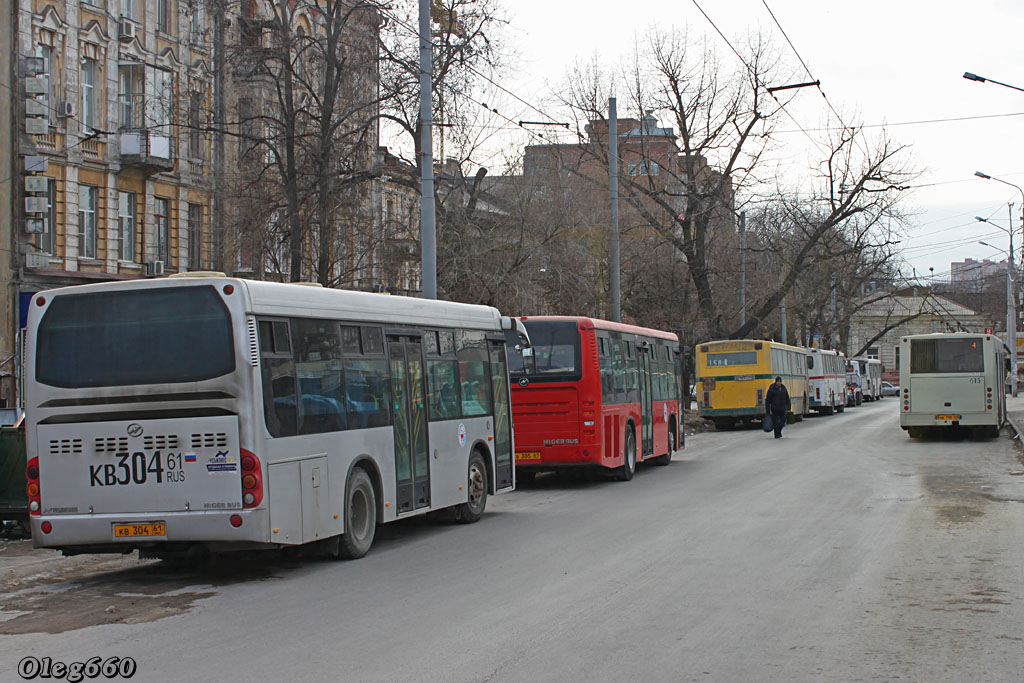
[[527, 455]]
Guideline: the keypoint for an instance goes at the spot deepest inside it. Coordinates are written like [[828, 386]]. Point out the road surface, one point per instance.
[[842, 552]]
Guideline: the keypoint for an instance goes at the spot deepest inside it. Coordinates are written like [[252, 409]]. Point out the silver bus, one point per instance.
[[189, 414], [951, 381]]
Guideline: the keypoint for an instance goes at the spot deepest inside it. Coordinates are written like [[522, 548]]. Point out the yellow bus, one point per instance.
[[733, 376]]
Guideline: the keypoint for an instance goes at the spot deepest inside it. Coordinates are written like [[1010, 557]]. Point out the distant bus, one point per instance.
[[733, 376], [950, 381], [826, 381], [593, 393], [189, 414], [854, 383], [870, 376]]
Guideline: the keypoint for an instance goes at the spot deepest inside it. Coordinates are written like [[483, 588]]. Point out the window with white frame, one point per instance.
[[158, 100], [89, 99], [129, 10], [161, 219], [126, 218], [88, 200], [46, 241], [130, 94], [46, 52]]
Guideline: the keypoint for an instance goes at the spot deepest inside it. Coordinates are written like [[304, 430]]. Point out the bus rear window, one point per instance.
[[718, 360], [946, 355], [152, 336], [556, 352]]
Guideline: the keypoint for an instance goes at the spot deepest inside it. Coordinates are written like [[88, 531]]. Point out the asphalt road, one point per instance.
[[842, 552]]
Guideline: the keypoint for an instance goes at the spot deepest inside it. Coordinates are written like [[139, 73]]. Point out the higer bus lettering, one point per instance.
[[560, 442]]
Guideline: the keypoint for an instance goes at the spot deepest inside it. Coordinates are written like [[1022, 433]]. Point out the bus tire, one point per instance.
[[476, 491], [360, 516], [628, 468], [667, 458]]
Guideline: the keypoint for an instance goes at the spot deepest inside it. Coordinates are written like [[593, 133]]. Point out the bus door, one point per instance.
[[412, 462], [502, 417], [646, 407]]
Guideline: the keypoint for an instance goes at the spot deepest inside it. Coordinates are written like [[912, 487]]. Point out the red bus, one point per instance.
[[594, 393]]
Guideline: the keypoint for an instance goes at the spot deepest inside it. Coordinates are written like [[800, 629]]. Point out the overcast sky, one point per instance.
[[879, 63]]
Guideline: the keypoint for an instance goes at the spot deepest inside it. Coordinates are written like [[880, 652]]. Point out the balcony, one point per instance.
[[147, 150]]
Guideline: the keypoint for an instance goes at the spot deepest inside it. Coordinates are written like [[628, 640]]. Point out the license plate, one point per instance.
[[528, 455], [140, 530], [947, 417]]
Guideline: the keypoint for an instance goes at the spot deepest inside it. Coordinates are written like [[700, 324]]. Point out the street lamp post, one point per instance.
[[1011, 333], [981, 79]]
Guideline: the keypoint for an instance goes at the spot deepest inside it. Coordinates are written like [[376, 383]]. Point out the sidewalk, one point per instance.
[[1015, 412]]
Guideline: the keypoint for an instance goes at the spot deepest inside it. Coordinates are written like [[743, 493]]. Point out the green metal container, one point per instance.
[[13, 499]]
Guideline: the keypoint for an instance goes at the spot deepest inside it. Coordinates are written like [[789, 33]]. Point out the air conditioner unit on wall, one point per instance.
[[36, 260], [125, 31], [154, 268], [65, 110]]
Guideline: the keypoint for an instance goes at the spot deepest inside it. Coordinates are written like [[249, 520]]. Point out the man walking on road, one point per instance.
[[777, 402]]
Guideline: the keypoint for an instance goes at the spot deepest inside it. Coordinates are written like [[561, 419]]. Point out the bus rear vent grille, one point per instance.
[[254, 343], [160, 441], [111, 444], [65, 446], [219, 440]]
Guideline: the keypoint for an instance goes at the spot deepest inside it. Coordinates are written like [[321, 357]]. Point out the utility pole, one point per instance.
[[613, 189], [219, 66], [782, 311], [743, 268], [1011, 314], [428, 234]]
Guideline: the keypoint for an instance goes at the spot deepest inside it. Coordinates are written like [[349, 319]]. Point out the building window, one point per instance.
[[88, 199], [163, 16], [46, 52], [160, 216], [129, 10], [158, 104], [131, 94], [46, 240], [88, 117], [195, 133], [93, 3], [195, 236], [126, 217]]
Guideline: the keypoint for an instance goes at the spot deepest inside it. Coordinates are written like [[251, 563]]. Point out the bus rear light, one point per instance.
[[588, 413], [229, 289], [760, 397], [588, 423], [41, 301], [46, 527], [252, 481], [817, 393], [707, 399], [586, 452], [32, 487], [236, 521], [906, 407]]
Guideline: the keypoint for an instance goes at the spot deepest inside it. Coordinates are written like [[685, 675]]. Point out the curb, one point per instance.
[[1016, 427]]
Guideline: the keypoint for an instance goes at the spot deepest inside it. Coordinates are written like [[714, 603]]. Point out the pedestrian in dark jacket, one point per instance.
[[777, 403]]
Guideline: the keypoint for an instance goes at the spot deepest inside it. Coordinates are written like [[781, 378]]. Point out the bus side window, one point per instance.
[[442, 389], [277, 369], [318, 376], [474, 373], [605, 363]]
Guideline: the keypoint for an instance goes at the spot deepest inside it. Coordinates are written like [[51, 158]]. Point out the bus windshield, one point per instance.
[[556, 351], [151, 336], [946, 355]]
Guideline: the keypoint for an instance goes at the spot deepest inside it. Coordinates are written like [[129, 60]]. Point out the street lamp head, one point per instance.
[[979, 218], [983, 175], [973, 77]]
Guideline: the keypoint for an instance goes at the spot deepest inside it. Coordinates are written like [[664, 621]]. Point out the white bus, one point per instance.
[[870, 377], [952, 380], [854, 383], [826, 380], [189, 414]]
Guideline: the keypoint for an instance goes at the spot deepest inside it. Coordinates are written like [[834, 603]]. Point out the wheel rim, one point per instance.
[[477, 487], [359, 514], [671, 442]]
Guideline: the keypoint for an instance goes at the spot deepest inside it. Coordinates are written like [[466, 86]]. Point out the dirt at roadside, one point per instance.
[[44, 592]]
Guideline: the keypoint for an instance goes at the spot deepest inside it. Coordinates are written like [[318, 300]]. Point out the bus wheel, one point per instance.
[[667, 458], [476, 495], [625, 472], [360, 516]]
